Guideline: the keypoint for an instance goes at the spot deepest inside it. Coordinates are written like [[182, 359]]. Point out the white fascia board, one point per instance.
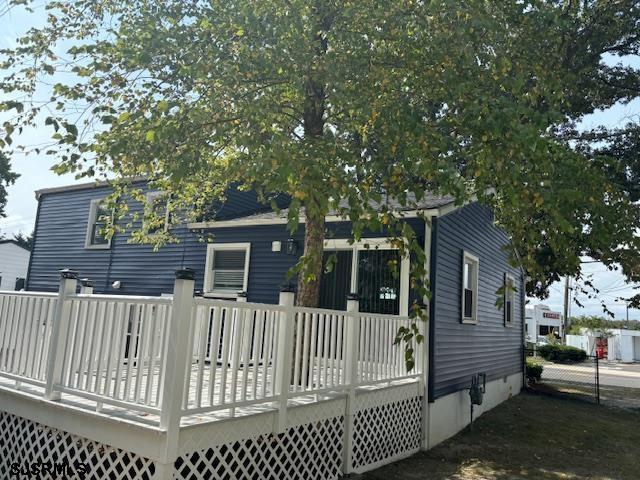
[[248, 221]]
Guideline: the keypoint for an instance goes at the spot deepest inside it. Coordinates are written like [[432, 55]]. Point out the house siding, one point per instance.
[[60, 243], [461, 350]]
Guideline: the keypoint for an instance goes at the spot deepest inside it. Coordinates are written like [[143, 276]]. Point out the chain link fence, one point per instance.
[[579, 380]]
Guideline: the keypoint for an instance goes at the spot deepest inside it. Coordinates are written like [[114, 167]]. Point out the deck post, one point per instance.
[[284, 356], [59, 328], [86, 286], [176, 361], [351, 378]]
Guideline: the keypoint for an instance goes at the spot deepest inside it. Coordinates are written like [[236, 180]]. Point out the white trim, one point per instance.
[[378, 243], [466, 256], [208, 273], [93, 212]]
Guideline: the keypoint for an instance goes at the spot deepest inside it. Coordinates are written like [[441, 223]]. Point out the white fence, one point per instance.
[[188, 355]]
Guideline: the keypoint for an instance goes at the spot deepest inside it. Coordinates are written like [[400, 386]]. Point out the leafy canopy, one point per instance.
[[7, 178], [347, 100]]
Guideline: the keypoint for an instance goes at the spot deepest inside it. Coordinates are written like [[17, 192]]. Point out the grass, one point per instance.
[[533, 437]]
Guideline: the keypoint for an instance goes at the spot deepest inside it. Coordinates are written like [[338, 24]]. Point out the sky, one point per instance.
[[35, 173]]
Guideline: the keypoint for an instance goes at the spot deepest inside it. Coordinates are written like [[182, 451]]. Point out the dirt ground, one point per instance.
[[533, 437]]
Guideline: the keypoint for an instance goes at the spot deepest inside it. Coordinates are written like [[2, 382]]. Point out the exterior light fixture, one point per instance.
[[292, 246]]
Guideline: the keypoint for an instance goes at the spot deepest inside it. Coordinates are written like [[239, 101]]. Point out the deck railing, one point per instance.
[[190, 355], [114, 349], [25, 328]]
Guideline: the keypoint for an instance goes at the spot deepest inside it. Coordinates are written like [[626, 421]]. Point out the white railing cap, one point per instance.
[[121, 298]]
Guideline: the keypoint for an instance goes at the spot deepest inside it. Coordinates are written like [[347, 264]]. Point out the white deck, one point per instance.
[[152, 420], [112, 370]]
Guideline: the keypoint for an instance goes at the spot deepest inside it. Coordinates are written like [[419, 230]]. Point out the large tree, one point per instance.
[[346, 101]]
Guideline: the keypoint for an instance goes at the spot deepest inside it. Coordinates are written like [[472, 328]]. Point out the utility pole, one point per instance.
[[627, 303], [565, 317]]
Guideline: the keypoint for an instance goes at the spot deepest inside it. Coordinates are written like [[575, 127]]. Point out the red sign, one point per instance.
[[551, 315]]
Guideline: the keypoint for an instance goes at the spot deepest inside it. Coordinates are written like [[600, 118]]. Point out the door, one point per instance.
[[336, 284], [379, 281]]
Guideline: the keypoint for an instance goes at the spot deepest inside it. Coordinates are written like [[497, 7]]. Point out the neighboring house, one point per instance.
[[14, 263], [542, 321], [252, 251]]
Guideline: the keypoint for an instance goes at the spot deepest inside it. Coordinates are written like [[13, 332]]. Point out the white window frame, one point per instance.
[[93, 213], [469, 257], [208, 273], [150, 197], [378, 243], [507, 291]]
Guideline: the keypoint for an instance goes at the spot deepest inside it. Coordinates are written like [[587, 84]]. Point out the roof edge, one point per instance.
[[81, 186], [10, 240]]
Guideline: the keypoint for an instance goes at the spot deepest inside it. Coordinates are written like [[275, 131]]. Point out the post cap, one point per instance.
[[86, 282], [287, 289], [69, 274], [186, 274], [353, 296]]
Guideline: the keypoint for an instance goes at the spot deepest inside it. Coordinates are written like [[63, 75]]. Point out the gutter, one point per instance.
[[84, 186]]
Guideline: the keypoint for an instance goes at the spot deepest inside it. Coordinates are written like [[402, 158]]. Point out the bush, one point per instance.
[[562, 353], [533, 370]]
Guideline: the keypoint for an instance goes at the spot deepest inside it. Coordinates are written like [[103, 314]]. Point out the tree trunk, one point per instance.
[[311, 272]]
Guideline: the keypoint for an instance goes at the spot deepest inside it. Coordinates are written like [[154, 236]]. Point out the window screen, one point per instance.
[[228, 270]]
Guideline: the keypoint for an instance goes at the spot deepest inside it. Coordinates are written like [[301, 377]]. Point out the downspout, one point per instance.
[[432, 308], [523, 298], [33, 244], [429, 248]]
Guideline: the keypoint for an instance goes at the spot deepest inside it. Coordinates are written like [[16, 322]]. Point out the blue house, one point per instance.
[[251, 251]]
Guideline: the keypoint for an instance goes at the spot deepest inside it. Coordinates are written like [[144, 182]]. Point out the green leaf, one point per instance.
[[163, 106]]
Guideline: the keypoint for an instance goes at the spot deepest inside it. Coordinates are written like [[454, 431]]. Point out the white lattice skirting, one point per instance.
[[390, 430], [387, 425], [311, 451], [25, 444]]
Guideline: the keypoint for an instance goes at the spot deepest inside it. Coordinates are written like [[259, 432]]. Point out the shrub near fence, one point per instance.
[[533, 370], [564, 371], [562, 353]]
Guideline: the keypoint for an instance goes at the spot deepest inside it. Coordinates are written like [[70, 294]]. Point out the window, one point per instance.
[[509, 298], [470, 267], [99, 217], [157, 216], [227, 269]]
